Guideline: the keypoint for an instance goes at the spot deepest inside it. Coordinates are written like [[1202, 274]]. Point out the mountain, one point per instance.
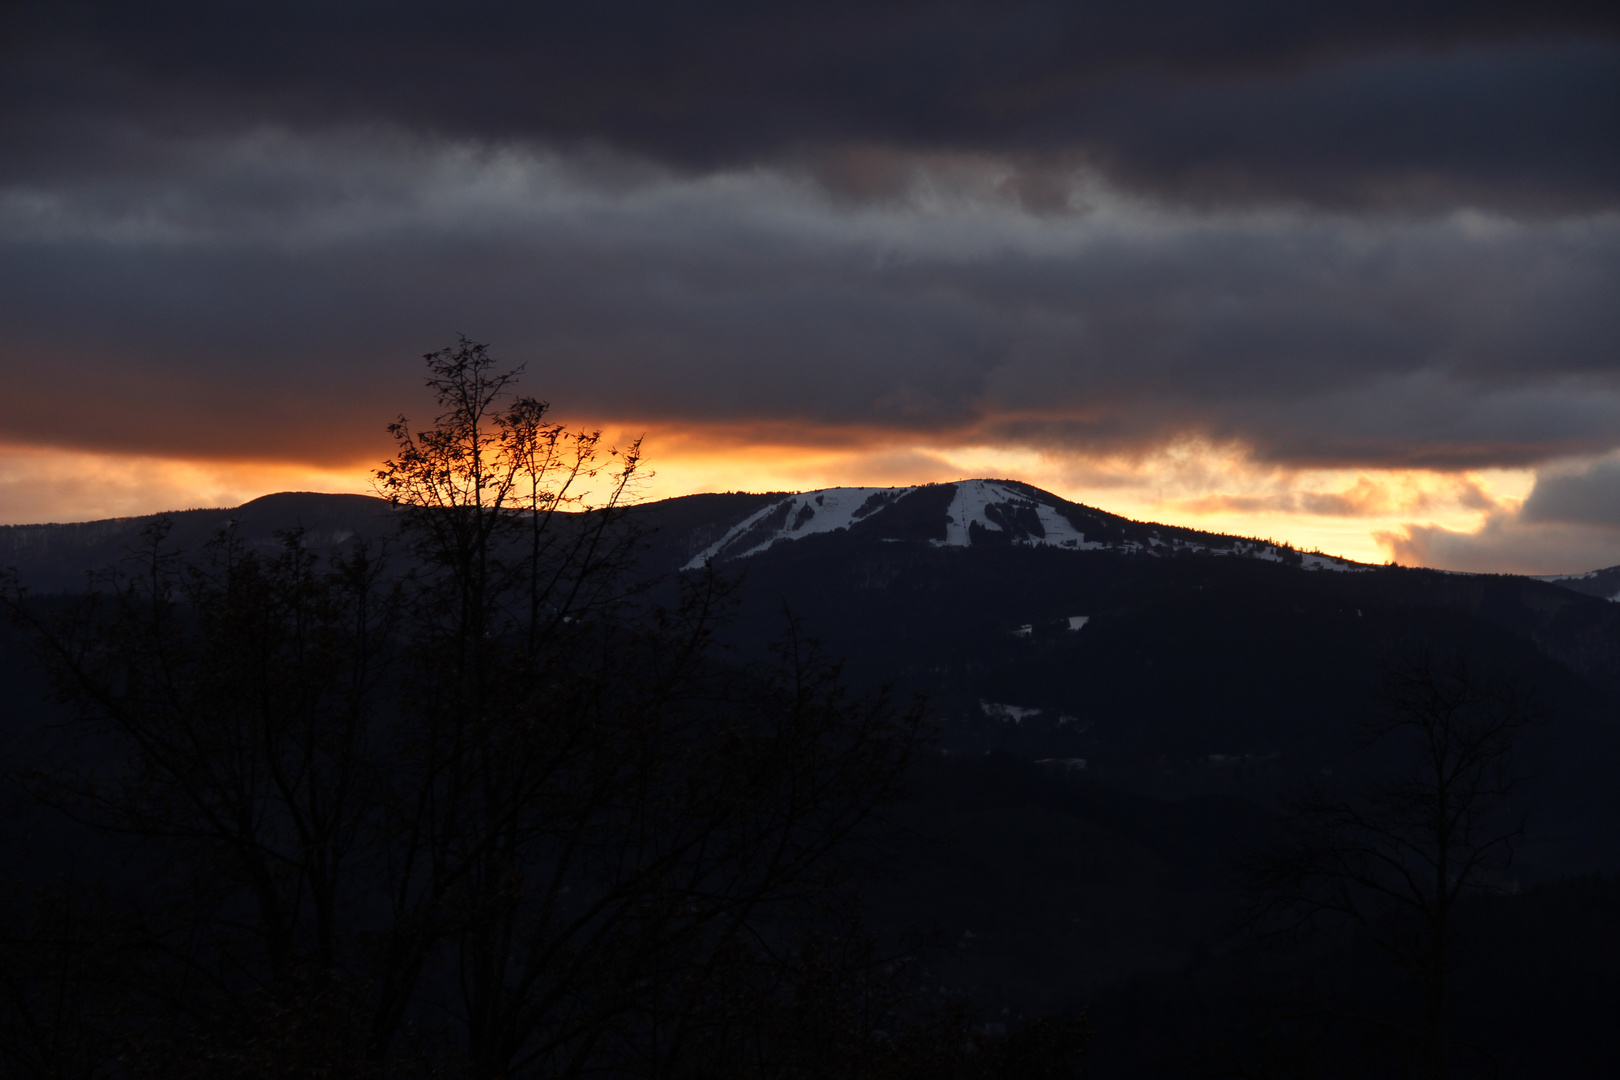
[[1119, 704], [1154, 659], [686, 532], [976, 513]]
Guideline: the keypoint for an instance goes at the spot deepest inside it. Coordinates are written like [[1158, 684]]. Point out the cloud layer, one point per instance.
[[266, 297], [1363, 238], [1363, 102]]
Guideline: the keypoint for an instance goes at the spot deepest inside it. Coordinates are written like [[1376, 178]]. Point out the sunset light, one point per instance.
[[809, 539], [1366, 515]]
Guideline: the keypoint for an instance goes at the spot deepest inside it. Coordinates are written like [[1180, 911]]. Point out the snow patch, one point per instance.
[[1015, 714], [1329, 562], [972, 505], [801, 515]]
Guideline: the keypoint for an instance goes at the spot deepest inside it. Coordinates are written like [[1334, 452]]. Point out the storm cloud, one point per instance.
[[1371, 236], [1336, 102], [276, 288], [1587, 496]]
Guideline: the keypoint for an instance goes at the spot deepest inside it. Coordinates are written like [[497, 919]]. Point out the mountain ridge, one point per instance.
[[984, 512], [1113, 719], [721, 527]]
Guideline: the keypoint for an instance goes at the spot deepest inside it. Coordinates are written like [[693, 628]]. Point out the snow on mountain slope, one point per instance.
[[971, 513], [796, 516], [990, 505]]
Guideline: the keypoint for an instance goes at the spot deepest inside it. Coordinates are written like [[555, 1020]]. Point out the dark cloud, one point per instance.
[[1339, 103], [1589, 496], [1507, 545], [1372, 234], [269, 298]]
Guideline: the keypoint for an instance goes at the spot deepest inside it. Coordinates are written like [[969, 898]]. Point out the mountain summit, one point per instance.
[[978, 513]]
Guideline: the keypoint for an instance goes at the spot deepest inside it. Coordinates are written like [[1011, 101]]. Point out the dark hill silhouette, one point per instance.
[[1604, 583], [56, 557], [1116, 715], [1205, 663]]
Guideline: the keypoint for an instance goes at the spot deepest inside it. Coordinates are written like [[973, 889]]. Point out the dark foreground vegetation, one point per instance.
[[471, 804], [1534, 981], [490, 791]]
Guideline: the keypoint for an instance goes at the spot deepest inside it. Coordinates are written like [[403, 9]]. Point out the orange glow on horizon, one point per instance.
[[1355, 513], [1349, 512]]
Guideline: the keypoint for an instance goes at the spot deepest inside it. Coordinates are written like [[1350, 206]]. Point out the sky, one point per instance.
[[1345, 275]]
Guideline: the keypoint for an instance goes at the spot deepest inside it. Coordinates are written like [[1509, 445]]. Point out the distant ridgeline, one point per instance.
[[980, 513], [1599, 583], [57, 557], [697, 529]]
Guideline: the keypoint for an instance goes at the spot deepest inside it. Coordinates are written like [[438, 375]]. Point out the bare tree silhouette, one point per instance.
[[490, 807], [1394, 854]]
